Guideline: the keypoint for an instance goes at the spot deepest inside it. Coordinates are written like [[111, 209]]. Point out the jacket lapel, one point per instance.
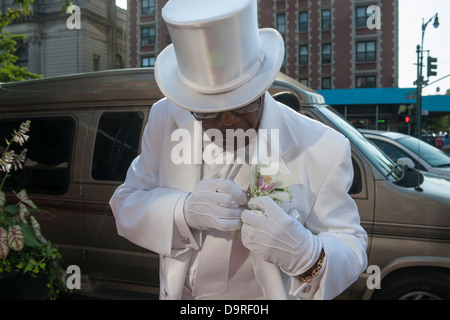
[[275, 137], [182, 153]]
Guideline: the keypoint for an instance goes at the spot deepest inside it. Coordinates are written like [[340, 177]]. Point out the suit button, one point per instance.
[[186, 240]]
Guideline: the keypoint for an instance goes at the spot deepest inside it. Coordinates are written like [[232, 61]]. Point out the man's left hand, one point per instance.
[[270, 232]]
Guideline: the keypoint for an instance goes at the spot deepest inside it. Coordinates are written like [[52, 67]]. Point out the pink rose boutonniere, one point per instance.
[[274, 186]]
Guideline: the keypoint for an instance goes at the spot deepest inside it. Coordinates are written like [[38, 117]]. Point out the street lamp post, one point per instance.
[[420, 81]]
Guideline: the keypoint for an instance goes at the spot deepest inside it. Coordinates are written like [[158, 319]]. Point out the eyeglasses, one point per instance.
[[252, 107]]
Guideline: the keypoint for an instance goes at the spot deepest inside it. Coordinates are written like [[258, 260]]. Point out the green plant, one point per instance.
[[9, 70], [22, 246]]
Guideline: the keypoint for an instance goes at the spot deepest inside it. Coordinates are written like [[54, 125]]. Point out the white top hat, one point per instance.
[[219, 60]]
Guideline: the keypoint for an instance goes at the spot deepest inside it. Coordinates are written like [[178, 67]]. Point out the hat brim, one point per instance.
[[170, 84]]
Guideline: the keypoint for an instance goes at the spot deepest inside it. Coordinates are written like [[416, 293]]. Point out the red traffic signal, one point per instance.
[[407, 119]]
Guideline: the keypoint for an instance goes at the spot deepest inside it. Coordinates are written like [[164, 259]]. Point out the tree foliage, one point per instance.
[[9, 70]]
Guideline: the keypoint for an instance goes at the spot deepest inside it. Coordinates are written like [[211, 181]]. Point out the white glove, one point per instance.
[[215, 204], [278, 238]]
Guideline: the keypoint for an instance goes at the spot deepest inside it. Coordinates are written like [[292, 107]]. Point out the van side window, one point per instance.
[[47, 166], [116, 144]]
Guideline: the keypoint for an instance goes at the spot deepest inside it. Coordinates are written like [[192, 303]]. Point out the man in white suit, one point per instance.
[[216, 238]]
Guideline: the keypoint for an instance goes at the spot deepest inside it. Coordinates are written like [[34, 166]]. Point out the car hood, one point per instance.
[[436, 184], [445, 172]]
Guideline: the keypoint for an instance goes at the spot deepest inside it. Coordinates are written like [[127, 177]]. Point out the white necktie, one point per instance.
[[212, 272]]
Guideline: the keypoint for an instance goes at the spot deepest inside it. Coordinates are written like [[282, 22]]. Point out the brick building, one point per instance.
[[328, 43]]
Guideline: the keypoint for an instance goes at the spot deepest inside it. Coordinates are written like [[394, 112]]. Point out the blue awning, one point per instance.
[[436, 103], [349, 97]]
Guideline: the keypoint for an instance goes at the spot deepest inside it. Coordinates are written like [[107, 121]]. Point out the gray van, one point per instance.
[[86, 130]]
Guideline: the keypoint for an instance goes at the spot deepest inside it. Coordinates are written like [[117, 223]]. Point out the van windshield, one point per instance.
[[382, 162]]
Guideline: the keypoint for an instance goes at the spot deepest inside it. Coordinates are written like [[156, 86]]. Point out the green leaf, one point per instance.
[[4, 248], [37, 229], [12, 210], [15, 238], [23, 213], [30, 237], [23, 197], [2, 198]]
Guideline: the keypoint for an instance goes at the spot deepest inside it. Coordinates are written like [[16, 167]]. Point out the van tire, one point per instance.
[[415, 284]]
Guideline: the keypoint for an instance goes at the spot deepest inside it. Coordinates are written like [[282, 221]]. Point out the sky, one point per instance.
[[411, 15]]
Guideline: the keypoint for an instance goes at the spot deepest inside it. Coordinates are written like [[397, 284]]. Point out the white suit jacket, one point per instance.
[[155, 188]]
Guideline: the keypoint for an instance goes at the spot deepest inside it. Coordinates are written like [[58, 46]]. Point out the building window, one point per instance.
[[281, 23], [148, 35], [326, 83], [304, 81], [96, 62], [303, 59], [326, 20], [303, 21], [147, 62], [366, 51], [326, 53], [366, 82], [22, 55], [118, 62], [148, 7], [362, 16]]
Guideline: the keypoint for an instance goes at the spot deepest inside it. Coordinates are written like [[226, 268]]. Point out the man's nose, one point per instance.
[[227, 118]]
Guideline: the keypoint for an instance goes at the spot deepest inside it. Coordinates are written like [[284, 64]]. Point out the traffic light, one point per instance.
[[432, 66], [407, 119], [404, 119]]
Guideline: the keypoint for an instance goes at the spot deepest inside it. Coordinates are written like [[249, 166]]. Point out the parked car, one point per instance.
[[398, 145], [86, 129]]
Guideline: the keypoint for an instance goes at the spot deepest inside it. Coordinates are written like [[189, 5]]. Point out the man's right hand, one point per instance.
[[215, 204]]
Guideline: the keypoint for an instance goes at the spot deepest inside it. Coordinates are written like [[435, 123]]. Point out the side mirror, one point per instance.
[[406, 162]]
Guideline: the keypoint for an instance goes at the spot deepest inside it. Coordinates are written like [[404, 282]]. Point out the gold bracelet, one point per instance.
[[316, 270]]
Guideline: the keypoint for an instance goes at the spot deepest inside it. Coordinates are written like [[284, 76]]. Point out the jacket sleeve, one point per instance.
[[335, 220], [145, 212]]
